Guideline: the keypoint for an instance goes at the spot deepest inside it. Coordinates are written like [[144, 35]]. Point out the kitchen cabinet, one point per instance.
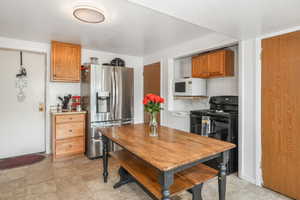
[[68, 134], [214, 64], [65, 62], [200, 66]]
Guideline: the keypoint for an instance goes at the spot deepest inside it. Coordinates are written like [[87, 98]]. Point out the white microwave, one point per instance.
[[190, 87]]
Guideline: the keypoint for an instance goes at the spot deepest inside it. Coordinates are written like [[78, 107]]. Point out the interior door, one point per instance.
[[281, 114], [22, 124], [124, 93], [151, 84]]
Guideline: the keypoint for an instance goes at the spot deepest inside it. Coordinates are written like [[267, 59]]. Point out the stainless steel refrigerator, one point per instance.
[[107, 96]]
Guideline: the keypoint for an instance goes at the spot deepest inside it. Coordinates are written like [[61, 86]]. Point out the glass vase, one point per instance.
[[153, 124]]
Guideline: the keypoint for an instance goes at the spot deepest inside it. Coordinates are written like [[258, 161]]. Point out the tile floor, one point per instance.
[[80, 179]]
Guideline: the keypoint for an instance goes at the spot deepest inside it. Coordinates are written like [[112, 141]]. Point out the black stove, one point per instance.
[[219, 122]]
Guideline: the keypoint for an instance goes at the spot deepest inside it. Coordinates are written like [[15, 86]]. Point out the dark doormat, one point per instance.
[[20, 161]]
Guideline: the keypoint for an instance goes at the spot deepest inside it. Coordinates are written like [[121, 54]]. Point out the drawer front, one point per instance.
[[68, 130], [70, 118], [69, 146]]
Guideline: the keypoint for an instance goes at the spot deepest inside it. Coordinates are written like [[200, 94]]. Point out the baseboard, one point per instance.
[[248, 178]]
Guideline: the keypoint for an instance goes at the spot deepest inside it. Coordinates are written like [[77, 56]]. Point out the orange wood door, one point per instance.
[[200, 66], [66, 62], [151, 84], [281, 114]]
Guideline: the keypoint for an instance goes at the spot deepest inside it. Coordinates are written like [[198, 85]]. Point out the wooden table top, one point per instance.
[[171, 149]]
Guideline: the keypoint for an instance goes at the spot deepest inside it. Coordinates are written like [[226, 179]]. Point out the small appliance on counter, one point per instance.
[[76, 103], [220, 122], [116, 62], [190, 87]]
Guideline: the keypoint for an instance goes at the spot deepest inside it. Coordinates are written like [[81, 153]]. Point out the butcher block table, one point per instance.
[[169, 163]]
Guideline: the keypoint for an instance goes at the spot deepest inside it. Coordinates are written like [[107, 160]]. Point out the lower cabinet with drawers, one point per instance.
[[68, 134]]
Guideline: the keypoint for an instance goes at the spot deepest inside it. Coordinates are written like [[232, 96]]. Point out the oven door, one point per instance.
[[180, 88], [211, 126], [219, 128]]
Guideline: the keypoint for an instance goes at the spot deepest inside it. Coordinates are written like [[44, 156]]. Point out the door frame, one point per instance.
[[161, 87], [45, 90]]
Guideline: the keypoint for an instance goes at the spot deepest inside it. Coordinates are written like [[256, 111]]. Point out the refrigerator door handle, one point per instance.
[[113, 94], [116, 95]]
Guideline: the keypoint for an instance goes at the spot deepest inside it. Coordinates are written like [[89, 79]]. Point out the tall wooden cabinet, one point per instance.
[[214, 64], [65, 62]]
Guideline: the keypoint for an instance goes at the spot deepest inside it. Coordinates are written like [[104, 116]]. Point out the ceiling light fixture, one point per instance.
[[88, 14]]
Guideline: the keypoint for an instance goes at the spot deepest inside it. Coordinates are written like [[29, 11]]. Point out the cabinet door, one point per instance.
[[200, 66], [221, 63], [65, 63], [216, 64]]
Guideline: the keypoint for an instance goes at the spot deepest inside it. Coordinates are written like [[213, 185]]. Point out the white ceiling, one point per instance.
[[237, 18], [129, 29]]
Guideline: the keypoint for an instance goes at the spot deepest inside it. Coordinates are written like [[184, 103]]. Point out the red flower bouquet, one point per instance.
[[152, 105]]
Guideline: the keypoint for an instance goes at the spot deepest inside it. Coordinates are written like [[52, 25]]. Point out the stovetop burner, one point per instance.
[[221, 106]]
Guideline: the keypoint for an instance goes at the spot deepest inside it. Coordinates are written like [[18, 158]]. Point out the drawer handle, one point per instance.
[[70, 146], [70, 130], [70, 118]]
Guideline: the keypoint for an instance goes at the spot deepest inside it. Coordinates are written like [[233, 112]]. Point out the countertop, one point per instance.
[[67, 113]]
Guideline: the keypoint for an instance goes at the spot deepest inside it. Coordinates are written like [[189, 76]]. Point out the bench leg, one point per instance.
[[197, 192], [125, 178]]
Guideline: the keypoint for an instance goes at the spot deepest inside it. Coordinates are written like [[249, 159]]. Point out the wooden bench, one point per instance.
[[190, 179]]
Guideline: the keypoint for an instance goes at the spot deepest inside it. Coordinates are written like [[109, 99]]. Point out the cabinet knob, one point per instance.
[[70, 118], [70, 146], [71, 131]]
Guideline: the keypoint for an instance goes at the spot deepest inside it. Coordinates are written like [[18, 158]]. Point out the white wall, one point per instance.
[[53, 90], [247, 111]]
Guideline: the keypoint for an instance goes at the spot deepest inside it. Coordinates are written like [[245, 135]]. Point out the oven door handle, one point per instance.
[[196, 116]]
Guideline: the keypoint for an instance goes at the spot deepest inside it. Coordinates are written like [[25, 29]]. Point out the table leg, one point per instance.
[[105, 158], [222, 175], [166, 180]]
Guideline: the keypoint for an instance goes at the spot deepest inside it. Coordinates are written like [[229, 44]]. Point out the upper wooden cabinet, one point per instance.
[[200, 66], [65, 62], [215, 64]]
